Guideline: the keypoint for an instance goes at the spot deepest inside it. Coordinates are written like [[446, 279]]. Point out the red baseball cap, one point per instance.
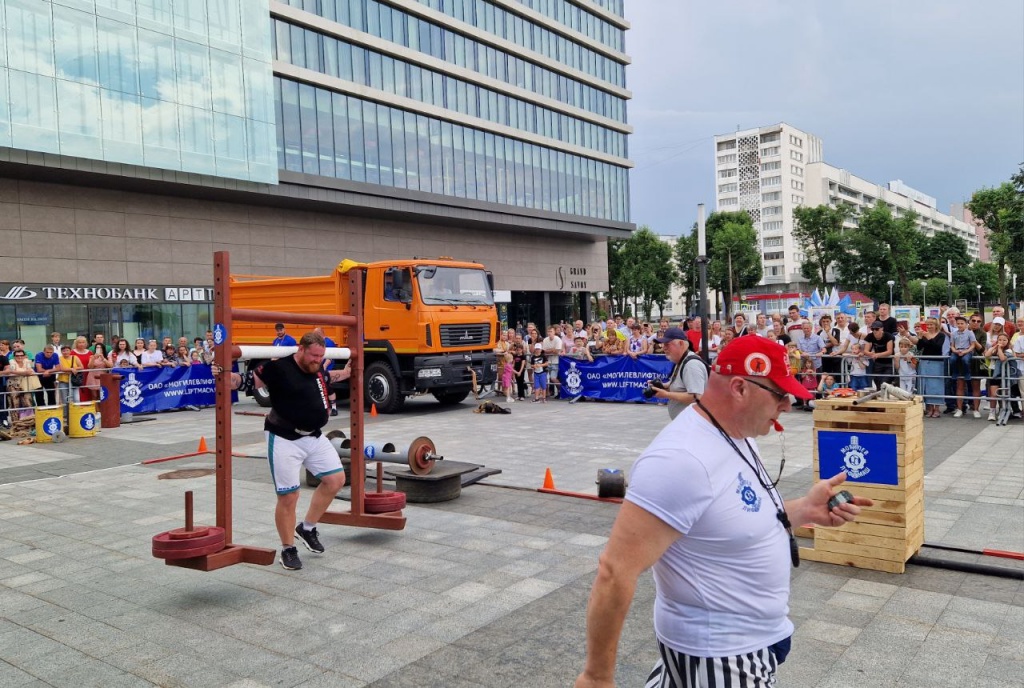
[[754, 356]]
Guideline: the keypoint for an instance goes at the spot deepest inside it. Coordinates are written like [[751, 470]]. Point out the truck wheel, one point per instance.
[[451, 397], [382, 388], [262, 396]]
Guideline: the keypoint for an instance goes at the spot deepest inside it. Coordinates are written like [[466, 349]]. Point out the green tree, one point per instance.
[[685, 255], [1016, 225], [732, 241], [882, 247], [967, 280], [934, 292], [818, 232], [999, 209], [935, 251], [615, 274], [647, 269]]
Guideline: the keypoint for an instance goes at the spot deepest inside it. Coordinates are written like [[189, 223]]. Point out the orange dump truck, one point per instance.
[[427, 324]]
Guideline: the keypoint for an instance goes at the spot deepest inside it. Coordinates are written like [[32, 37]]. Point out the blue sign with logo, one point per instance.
[[369, 451], [220, 334], [103, 393], [867, 457], [612, 378], [52, 426], [87, 421], [163, 389]]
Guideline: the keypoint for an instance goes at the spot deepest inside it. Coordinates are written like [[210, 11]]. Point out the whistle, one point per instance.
[[778, 426]]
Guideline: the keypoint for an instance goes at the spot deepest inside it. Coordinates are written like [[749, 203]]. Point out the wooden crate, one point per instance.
[[887, 534]]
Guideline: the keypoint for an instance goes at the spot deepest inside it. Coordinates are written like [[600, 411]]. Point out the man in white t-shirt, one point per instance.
[[702, 511], [795, 324], [578, 330], [552, 347]]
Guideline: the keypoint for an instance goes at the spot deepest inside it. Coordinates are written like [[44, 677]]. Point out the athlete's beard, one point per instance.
[[306, 365]]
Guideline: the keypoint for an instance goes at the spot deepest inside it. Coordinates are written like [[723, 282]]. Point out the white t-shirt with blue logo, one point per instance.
[[723, 586]]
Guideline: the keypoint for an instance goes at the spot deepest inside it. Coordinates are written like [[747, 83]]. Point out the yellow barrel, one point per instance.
[[49, 421], [82, 419]]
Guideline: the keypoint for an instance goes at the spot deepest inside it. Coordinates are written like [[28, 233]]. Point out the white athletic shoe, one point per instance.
[[977, 413], [991, 415], [958, 413]]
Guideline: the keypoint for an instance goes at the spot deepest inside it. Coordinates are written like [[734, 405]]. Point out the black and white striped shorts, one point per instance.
[[678, 670]]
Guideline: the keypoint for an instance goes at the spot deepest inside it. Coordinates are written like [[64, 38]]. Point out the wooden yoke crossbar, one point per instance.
[[224, 315]]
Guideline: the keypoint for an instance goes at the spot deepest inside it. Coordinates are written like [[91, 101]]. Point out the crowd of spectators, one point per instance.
[[65, 372], [943, 359]]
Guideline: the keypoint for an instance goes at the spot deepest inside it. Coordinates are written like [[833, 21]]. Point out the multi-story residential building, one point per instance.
[[138, 137], [834, 186], [771, 170], [763, 172]]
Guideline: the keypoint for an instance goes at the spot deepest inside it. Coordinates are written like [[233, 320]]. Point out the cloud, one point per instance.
[[928, 90]]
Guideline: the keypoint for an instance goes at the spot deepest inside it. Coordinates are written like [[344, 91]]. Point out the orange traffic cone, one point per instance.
[[373, 410], [202, 446], [549, 481]]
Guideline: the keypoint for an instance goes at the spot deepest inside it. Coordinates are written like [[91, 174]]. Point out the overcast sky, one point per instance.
[[927, 91]]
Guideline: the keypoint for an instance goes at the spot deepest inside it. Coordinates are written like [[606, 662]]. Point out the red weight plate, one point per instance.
[[189, 553], [167, 547], [383, 502], [182, 534], [420, 448]]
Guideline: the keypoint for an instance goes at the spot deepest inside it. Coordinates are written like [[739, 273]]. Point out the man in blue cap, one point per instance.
[[689, 374]]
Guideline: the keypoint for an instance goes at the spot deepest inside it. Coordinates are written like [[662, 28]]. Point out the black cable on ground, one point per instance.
[[983, 569]]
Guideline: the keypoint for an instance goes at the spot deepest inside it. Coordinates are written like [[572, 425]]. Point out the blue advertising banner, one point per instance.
[[164, 389], [867, 457], [611, 378]]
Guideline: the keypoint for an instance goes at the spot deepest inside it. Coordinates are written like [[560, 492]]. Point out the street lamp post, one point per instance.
[[890, 283], [1014, 309], [702, 263], [924, 296], [980, 309], [949, 282], [778, 293]]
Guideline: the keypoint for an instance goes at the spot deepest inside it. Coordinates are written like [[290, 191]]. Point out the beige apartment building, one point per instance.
[[768, 171]]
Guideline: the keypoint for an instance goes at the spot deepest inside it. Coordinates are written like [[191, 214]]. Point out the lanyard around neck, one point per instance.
[[760, 473]]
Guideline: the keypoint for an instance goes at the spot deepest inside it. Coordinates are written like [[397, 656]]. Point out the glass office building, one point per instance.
[[139, 136], [183, 86]]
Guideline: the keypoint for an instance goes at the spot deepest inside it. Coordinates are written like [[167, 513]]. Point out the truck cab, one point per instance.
[[430, 325]]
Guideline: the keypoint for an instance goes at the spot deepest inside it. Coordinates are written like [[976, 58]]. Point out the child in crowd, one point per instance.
[[519, 368], [907, 366], [827, 386], [539, 362], [794, 358], [809, 380], [508, 375], [858, 368], [1004, 366], [580, 351], [960, 353]]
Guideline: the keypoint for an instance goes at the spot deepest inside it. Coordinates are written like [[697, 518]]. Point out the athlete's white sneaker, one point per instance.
[[958, 413]]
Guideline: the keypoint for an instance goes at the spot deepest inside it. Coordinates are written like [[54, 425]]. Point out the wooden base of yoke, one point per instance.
[[229, 556], [887, 534], [392, 520]]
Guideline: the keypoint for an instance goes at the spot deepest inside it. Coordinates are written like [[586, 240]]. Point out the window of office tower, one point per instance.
[[330, 134], [350, 62], [416, 33], [181, 87]]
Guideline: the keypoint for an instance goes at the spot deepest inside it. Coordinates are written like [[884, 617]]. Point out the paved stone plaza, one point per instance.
[[488, 590]]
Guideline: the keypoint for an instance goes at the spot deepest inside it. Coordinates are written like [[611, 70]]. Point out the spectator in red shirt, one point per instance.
[[693, 334]]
